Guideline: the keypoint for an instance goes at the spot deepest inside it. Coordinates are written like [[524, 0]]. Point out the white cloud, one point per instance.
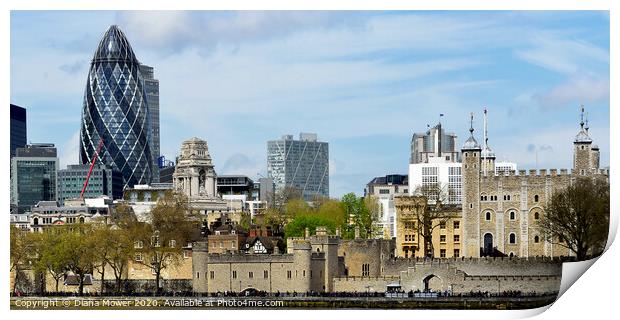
[[580, 89]]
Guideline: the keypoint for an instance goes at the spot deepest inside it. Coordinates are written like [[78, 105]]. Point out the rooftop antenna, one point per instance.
[[587, 126], [471, 123], [486, 138]]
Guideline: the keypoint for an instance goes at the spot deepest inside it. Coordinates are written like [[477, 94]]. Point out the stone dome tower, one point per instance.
[[194, 174]]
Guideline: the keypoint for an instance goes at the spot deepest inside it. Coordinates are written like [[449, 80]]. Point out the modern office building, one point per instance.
[[18, 128], [34, 172], [384, 189], [434, 143], [235, 185], [301, 164], [116, 111], [104, 180], [151, 86]]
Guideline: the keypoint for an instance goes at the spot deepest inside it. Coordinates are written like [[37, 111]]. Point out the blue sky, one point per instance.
[[363, 81]]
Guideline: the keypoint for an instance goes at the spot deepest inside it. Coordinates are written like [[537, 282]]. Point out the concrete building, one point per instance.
[[301, 164], [34, 174], [384, 189], [19, 128], [235, 185], [46, 214], [103, 180], [434, 143]]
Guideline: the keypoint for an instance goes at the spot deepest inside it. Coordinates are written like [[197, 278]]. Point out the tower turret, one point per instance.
[[470, 172], [583, 161]]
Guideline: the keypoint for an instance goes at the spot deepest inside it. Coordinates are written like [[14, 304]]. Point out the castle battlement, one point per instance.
[[249, 258]]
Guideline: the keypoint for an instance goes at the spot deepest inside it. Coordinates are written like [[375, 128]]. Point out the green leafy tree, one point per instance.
[[80, 248], [297, 227], [358, 214], [53, 254], [21, 243], [577, 217]]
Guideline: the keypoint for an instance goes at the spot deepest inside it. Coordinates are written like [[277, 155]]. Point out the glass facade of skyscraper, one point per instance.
[[302, 164], [18, 128], [151, 87], [116, 110], [34, 172], [103, 181]]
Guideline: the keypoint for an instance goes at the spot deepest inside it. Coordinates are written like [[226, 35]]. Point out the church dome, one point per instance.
[[471, 144]]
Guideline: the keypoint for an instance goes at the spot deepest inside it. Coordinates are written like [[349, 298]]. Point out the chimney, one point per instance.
[[357, 232], [307, 233]]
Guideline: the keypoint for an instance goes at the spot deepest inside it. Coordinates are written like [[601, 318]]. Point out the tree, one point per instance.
[[53, 259], [80, 249], [432, 215], [20, 247], [577, 217], [121, 247], [297, 227], [163, 239], [358, 214]]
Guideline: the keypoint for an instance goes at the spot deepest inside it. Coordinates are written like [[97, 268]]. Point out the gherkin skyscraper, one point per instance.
[[115, 110]]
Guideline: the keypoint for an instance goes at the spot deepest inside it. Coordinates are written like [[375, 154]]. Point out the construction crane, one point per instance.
[[90, 170]]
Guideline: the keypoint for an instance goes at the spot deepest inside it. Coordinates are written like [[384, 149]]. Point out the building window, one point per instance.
[[442, 238], [536, 215], [457, 224], [185, 254], [488, 216], [457, 253], [442, 225], [234, 274], [138, 244], [138, 256], [442, 253], [250, 274], [536, 239], [197, 275], [266, 274], [172, 243], [457, 238], [304, 273], [365, 270], [512, 215], [513, 238], [212, 274], [535, 198], [384, 191], [289, 274]]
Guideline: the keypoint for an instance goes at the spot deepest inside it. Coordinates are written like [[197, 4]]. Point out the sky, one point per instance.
[[364, 81]]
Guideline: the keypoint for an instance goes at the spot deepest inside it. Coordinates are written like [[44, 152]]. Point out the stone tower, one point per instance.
[[194, 174], [471, 152], [583, 152]]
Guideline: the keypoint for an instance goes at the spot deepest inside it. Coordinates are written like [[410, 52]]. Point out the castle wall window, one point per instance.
[[250, 274], [266, 274], [197, 275], [535, 198], [536, 239], [488, 216], [289, 274], [512, 238], [512, 215], [212, 274], [536, 215], [365, 270], [457, 225], [234, 274]]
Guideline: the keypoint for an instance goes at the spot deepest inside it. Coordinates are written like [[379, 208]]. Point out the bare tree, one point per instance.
[[433, 215], [577, 217]]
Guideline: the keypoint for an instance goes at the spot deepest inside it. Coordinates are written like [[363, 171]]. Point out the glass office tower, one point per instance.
[[302, 164], [34, 172], [116, 110], [18, 128]]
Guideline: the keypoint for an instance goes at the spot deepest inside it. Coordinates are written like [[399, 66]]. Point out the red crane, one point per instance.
[[92, 164]]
